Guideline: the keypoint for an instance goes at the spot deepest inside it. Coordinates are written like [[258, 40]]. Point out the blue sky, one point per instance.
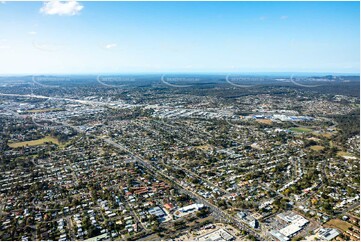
[[118, 37]]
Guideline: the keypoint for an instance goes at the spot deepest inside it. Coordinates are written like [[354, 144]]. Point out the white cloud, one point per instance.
[[32, 33], [56, 7], [284, 17], [110, 46]]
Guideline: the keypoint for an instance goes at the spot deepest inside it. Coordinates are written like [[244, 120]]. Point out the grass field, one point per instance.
[[338, 223], [327, 135], [300, 130], [264, 121], [46, 139], [204, 147], [317, 147], [44, 110], [343, 153]]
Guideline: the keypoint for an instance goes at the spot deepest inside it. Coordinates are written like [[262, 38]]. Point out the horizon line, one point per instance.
[[190, 72]]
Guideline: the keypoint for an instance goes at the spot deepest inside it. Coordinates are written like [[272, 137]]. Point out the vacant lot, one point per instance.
[[317, 147], [300, 130], [46, 139], [327, 135], [44, 110], [204, 147], [343, 153], [340, 224], [264, 121]]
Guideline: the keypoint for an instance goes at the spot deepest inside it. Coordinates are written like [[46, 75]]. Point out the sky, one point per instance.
[[131, 37]]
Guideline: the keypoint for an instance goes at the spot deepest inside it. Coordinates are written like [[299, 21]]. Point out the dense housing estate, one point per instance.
[[272, 162]]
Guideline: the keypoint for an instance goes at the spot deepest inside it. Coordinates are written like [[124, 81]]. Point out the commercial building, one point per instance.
[[279, 236], [296, 224], [218, 235], [157, 211], [328, 233]]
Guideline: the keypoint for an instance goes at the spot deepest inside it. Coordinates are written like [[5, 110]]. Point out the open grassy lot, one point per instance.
[[44, 110], [343, 153], [327, 135], [204, 147], [340, 224], [46, 139], [264, 121], [300, 130], [317, 147]]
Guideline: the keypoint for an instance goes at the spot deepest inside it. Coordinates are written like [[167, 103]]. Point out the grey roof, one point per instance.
[[328, 233], [157, 211]]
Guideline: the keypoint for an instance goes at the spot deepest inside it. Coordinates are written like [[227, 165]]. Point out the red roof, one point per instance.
[[168, 206]]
